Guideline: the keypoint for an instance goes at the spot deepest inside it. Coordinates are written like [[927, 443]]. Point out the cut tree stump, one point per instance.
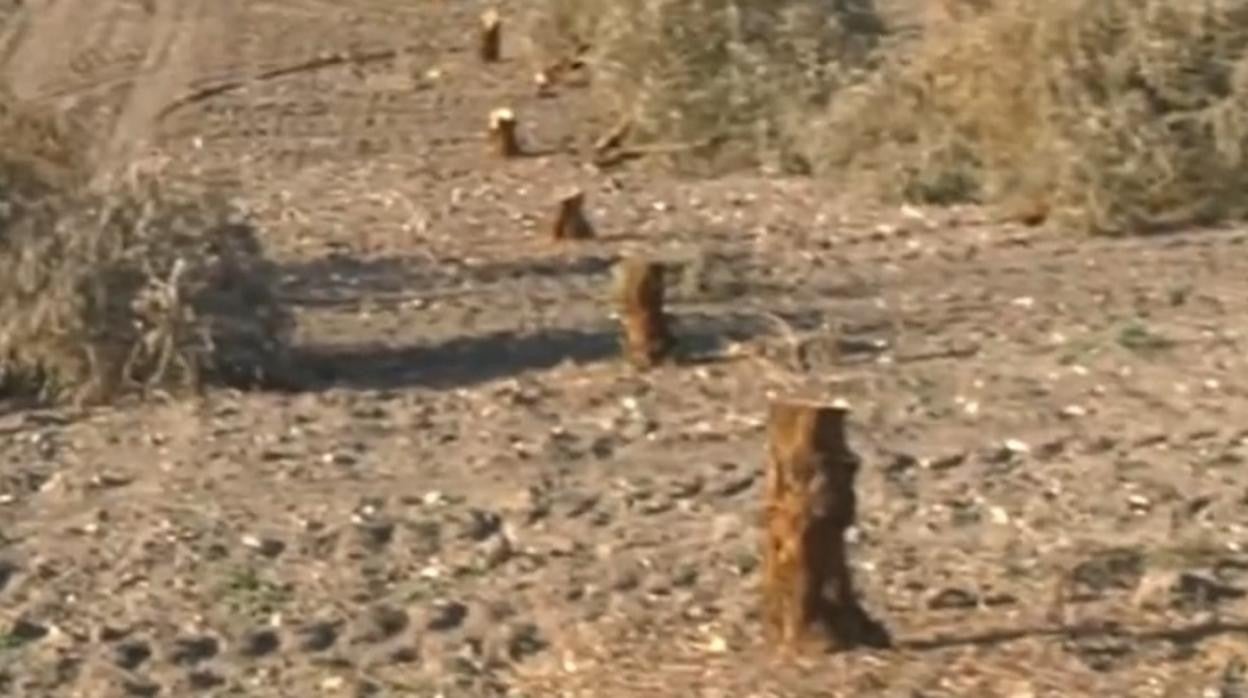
[[808, 594], [491, 36], [503, 133], [647, 339], [570, 220]]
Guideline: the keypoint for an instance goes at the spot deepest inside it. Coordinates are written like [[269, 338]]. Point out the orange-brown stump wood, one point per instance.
[[491, 40], [808, 595], [647, 339], [570, 220], [503, 133]]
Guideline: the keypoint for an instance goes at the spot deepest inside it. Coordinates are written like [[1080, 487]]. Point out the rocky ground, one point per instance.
[[477, 497]]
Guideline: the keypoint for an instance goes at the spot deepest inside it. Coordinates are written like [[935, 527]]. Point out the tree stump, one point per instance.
[[503, 133], [647, 339], [491, 36], [808, 593], [570, 221]]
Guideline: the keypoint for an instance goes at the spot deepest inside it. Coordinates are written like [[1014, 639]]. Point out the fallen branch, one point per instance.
[[320, 63], [615, 137], [620, 155]]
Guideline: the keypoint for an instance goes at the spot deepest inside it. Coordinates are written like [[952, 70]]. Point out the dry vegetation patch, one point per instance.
[[713, 81], [152, 284], [1119, 115]]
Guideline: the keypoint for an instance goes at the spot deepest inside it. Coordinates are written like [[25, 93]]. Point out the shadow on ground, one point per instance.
[[457, 363], [467, 361], [1182, 635], [341, 280]]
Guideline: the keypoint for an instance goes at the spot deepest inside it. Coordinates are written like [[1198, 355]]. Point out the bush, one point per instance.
[[1119, 115], [719, 76], [151, 285]]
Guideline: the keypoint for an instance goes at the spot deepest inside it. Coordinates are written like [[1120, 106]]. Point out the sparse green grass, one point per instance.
[[1138, 337], [246, 592]]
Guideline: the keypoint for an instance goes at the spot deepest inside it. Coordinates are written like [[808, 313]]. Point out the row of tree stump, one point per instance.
[[808, 595]]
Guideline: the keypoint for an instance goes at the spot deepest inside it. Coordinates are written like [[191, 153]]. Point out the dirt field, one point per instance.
[[479, 498]]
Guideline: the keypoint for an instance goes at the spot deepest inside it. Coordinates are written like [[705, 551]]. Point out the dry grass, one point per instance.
[[149, 285], [1119, 116], [709, 74]]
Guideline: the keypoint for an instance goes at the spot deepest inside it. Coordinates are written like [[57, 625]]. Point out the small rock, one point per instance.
[[268, 547], [140, 688], [204, 679], [580, 503], [24, 631], [447, 615], [1116, 568], [481, 525], [947, 462], [736, 485], [524, 640], [381, 623], [404, 654], [258, 643], [193, 650], [1139, 503], [1195, 591], [129, 655], [1073, 412], [376, 534], [8, 570], [687, 487], [494, 552], [1010, 449], [318, 636], [952, 598], [685, 577]]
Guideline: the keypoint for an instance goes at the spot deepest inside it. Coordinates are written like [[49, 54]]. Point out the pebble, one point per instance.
[[258, 643], [268, 547], [447, 615], [318, 636]]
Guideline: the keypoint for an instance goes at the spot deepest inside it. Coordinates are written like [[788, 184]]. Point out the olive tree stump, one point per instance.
[[503, 133], [808, 595], [647, 339], [490, 47], [570, 220]]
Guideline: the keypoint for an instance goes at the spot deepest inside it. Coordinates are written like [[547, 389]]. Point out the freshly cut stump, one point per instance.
[[570, 221], [490, 48], [503, 132], [647, 339], [808, 594]]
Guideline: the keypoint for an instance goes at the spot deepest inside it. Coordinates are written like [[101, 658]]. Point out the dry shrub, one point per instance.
[[1120, 114], [720, 74], [152, 285]]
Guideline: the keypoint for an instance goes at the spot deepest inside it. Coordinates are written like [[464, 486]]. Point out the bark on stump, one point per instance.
[[503, 133], [808, 594], [490, 48], [570, 221], [647, 339]]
